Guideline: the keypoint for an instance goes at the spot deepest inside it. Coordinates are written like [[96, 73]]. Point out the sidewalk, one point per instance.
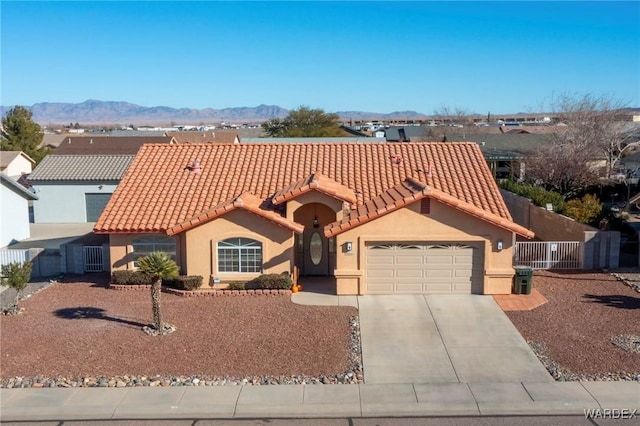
[[317, 401]]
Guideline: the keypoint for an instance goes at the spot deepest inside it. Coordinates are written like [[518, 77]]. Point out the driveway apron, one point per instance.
[[443, 339]]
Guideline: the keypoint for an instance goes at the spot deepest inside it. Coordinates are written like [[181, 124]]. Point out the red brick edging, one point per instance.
[[203, 293]]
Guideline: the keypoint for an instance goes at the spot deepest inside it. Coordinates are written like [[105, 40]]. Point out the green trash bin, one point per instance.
[[523, 281]]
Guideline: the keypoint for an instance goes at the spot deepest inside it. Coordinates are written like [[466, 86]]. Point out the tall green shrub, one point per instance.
[[539, 196]]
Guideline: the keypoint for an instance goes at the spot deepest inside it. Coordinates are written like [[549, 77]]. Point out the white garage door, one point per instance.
[[437, 268]]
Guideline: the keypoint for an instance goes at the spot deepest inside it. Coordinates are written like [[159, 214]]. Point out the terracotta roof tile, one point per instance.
[[245, 201], [159, 192], [318, 182], [407, 192]]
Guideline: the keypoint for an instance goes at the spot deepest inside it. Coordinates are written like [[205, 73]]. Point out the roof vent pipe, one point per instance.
[[195, 167]]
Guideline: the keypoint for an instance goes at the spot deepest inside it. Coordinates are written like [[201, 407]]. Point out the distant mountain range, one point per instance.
[[124, 113]]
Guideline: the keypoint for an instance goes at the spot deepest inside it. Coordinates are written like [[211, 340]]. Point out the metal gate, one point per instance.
[[548, 254], [92, 256]]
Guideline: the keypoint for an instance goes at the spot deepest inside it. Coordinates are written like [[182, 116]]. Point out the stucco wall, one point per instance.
[[201, 256], [601, 248], [65, 203], [442, 224], [14, 219]]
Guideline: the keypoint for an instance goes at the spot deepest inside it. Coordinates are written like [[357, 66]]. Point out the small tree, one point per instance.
[[158, 265], [304, 122], [16, 275]]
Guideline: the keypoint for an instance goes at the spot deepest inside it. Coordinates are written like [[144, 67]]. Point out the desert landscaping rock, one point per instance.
[[228, 341], [587, 330], [627, 342]]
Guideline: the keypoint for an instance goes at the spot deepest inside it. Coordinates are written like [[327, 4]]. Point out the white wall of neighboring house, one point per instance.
[[18, 166], [65, 202], [14, 210]]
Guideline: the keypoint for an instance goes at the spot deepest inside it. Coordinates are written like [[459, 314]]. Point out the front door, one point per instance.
[[315, 252]]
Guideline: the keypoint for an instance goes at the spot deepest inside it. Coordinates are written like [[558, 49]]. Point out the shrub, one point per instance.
[[130, 277], [236, 285], [271, 281], [184, 282], [585, 210], [16, 275], [539, 196]]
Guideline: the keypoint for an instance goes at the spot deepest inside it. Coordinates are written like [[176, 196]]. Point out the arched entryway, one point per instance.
[[315, 254]]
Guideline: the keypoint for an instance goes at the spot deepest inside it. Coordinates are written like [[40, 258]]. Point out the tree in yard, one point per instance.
[[565, 166], [592, 121], [21, 133], [304, 122], [585, 146], [158, 265], [16, 275]]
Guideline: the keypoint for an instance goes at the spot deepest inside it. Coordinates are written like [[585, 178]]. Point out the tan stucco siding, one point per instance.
[[201, 245], [442, 224]]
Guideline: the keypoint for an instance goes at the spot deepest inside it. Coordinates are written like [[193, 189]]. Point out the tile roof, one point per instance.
[[160, 192], [6, 157], [204, 137], [408, 192], [246, 201], [320, 183], [106, 145], [81, 168]]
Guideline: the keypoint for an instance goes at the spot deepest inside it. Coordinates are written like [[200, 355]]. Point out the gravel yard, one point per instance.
[[589, 330], [75, 330]]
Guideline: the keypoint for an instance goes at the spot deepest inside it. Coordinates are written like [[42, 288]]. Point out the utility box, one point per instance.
[[523, 280]]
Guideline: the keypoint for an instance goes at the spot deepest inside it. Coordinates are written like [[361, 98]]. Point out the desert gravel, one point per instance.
[[84, 329], [577, 330]]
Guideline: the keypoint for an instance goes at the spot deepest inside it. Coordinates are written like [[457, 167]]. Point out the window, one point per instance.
[[239, 255], [143, 246], [94, 204]]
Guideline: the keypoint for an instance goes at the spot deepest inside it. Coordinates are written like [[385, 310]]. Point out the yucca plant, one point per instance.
[[158, 265]]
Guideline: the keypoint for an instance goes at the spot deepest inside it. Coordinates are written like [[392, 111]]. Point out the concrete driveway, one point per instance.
[[443, 339]]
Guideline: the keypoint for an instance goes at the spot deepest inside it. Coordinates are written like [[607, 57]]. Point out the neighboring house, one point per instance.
[[505, 153], [14, 211], [75, 188], [340, 139], [377, 218], [15, 163], [205, 137], [75, 182], [106, 145]]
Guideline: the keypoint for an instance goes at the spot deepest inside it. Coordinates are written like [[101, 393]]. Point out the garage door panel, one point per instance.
[[409, 273], [409, 260], [432, 268], [408, 287], [444, 273], [381, 288], [380, 273]]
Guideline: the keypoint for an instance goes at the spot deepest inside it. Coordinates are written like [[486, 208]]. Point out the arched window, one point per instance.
[[147, 244], [239, 255]]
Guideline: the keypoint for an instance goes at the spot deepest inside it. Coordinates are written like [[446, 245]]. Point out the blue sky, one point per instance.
[[369, 56]]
